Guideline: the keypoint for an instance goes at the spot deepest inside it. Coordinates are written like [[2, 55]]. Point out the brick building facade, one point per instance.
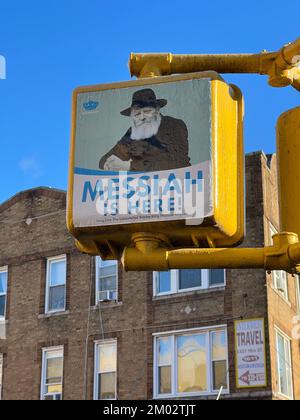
[[62, 335]]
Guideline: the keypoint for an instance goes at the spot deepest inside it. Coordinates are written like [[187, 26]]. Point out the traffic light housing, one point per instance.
[[211, 106]]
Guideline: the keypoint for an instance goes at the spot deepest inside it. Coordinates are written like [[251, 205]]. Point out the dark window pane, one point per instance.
[[189, 279], [164, 282], [219, 375], [2, 305], [108, 283], [108, 263], [164, 374], [57, 298], [54, 397], [3, 282], [58, 273], [108, 271], [107, 386], [216, 276]]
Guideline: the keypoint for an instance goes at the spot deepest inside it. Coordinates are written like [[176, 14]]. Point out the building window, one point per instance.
[[52, 374], [176, 281], [190, 363], [3, 292], [106, 280], [189, 279], [280, 283], [1, 374], [219, 360], [280, 280], [284, 365], [105, 382], [56, 284]]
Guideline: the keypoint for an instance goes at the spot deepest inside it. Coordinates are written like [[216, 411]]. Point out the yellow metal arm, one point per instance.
[[281, 66], [151, 251], [149, 254]]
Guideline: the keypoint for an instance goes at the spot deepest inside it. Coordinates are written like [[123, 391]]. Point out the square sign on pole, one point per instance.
[[161, 155]]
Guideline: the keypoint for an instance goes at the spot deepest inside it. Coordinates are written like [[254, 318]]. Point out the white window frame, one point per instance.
[[209, 370], [1, 374], [45, 352], [175, 278], [98, 261], [4, 270], [288, 363], [97, 345], [48, 276], [276, 274]]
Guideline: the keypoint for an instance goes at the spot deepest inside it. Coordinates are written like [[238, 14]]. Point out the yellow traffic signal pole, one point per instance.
[[151, 252], [288, 150], [281, 66]]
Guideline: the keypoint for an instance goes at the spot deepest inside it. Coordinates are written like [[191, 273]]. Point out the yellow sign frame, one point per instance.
[[226, 227]]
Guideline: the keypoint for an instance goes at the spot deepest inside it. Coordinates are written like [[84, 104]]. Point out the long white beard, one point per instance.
[[147, 130]]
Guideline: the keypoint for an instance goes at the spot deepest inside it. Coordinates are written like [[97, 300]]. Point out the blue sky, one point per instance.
[[53, 46]]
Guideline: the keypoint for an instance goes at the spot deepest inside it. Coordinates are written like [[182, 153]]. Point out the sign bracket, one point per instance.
[[149, 252]]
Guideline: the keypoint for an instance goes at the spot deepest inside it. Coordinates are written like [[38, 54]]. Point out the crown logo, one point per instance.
[[90, 106]]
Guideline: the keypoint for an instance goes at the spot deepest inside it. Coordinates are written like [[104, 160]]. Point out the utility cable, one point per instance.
[[15, 222], [87, 335]]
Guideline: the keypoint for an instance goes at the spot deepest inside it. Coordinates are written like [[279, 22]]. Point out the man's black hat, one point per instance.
[[144, 98]]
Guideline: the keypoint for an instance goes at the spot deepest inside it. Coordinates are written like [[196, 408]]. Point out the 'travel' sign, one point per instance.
[[153, 151], [250, 354]]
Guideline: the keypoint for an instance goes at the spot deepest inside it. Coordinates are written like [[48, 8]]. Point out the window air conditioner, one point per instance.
[[107, 296]]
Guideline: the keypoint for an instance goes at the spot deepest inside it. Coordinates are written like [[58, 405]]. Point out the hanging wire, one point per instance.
[[100, 318], [15, 222], [87, 334]]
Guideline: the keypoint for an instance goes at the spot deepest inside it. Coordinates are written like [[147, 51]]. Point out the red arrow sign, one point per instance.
[[247, 378]]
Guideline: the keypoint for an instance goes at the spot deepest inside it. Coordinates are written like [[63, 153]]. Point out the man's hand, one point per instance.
[[113, 163]]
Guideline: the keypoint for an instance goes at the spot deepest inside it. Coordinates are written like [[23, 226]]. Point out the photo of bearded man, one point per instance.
[[154, 142]]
